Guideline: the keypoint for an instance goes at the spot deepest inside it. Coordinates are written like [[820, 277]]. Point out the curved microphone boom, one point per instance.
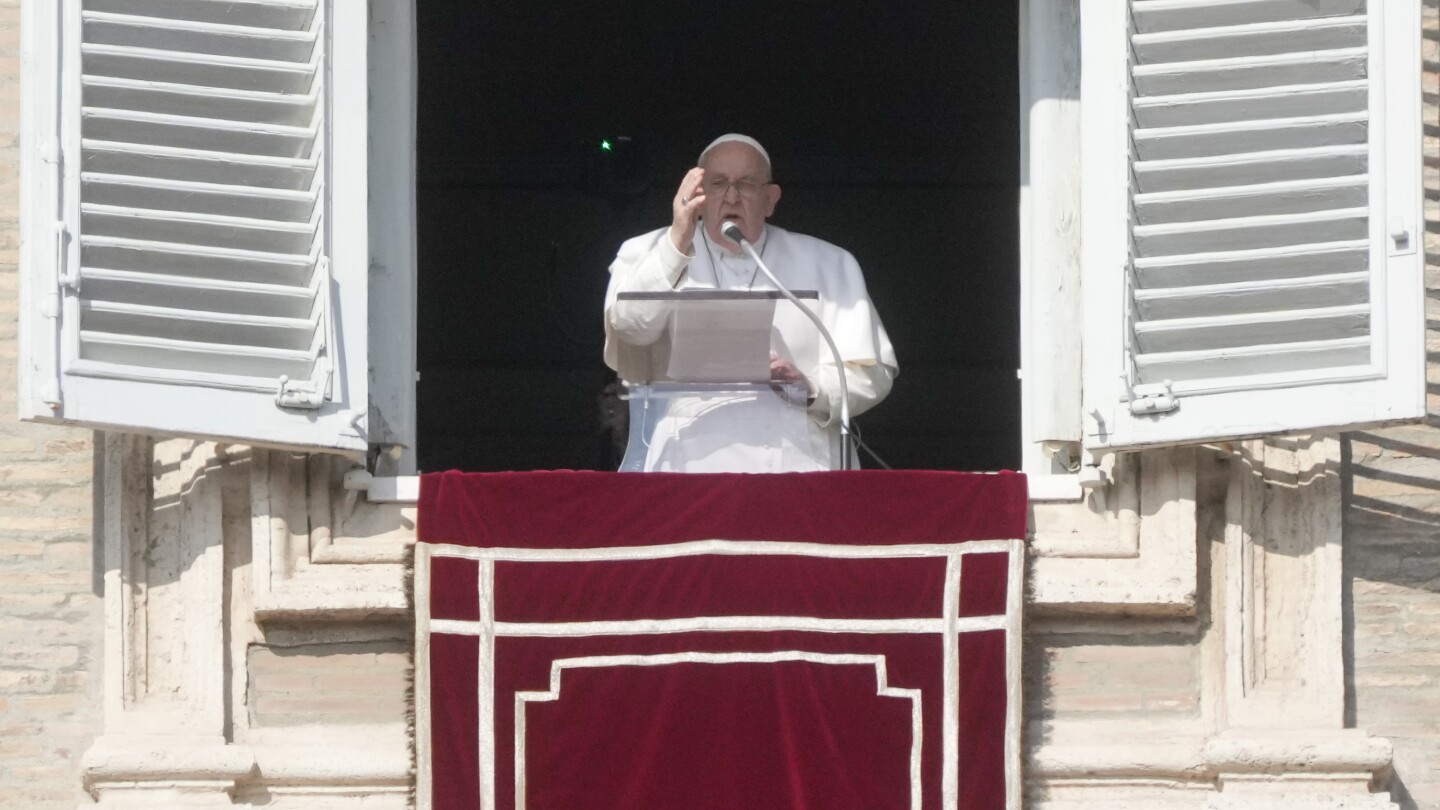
[[731, 230]]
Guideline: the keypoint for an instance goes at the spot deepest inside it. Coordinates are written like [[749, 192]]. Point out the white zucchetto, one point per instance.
[[737, 137]]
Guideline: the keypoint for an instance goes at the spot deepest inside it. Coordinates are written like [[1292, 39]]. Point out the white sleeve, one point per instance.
[[868, 384], [657, 269], [640, 268]]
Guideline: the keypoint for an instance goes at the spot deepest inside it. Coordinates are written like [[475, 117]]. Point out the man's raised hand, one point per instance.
[[686, 209]]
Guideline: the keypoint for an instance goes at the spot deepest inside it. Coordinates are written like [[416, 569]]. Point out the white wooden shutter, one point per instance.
[[1253, 228], [195, 248]]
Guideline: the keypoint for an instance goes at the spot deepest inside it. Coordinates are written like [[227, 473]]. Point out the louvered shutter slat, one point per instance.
[[124, 352], [188, 132], [1168, 15], [169, 98], [1244, 233], [182, 67], [1293, 197], [185, 227], [1226, 267], [1212, 140], [132, 31], [200, 165], [1252, 329], [201, 262], [1264, 38], [1250, 72], [1188, 109], [188, 324], [202, 198], [1230, 367], [1275, 166], [290, 15], [1257, 195], [272, 300], [1253, 296]]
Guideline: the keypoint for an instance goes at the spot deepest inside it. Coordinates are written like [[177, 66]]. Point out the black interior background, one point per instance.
[[893, 130]]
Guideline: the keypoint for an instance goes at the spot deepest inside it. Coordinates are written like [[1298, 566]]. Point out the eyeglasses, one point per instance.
[[745, 187]]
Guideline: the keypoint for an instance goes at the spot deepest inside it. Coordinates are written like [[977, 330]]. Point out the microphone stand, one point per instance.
[[846, 451]]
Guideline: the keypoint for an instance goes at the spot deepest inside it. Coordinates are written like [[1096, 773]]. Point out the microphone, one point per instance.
[[731, 230]]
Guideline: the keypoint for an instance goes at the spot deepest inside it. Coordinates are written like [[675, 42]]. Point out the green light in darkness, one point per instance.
[[605, 146]]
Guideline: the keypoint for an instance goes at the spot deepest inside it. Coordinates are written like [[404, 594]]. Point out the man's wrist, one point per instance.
[[672, 258], [682, 246]]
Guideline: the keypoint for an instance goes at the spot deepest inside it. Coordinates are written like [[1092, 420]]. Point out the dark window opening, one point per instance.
[[894, 132]]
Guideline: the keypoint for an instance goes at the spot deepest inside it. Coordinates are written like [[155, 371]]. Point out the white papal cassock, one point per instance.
[[696, 434]]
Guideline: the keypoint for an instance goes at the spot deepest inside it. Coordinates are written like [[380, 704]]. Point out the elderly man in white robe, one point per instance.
[[733, 182]]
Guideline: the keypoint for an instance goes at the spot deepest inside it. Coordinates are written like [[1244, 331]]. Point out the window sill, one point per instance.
[[1055, 488], [402, 489], [406, 489]]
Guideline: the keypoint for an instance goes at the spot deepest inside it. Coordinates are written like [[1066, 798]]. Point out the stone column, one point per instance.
[[1282, 741], [165, 741]]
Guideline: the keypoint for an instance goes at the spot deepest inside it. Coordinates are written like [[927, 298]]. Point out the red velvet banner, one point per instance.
[[828, 640]]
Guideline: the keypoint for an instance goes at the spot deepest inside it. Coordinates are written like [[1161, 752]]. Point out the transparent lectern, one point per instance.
[[696, 368]]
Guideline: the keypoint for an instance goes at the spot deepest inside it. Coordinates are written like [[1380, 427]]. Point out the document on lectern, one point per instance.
[[711, 336], [721, 341]]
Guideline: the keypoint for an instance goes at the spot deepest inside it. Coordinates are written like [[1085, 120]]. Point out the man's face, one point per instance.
[[737, 187]]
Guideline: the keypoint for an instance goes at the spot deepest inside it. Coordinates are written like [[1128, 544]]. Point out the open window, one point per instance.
[[893, 133], [202, 208]]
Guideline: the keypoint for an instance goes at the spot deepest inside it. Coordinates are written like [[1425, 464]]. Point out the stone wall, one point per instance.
[[50, 616], [1392, 535], [255, 652]]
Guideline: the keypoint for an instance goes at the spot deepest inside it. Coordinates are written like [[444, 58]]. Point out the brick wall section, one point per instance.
[[1095, 676], [1392, 535], [321, 683], [50, 621]]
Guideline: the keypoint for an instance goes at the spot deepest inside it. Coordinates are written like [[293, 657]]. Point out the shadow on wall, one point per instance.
[[1392, 536], [1392, 598], [1393, 490]]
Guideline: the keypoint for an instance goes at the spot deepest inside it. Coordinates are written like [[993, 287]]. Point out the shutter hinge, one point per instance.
[[292, 394], [1151, 399], [53, 306]]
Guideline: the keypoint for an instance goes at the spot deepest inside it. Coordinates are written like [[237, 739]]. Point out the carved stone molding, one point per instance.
[[177, 771], [182, 557], [1269, 730], [1297, 770], [1137, 765], [321, 550], [333, 766], [1283, 634], [166, 657], [1130, 548], [1283, 743]]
